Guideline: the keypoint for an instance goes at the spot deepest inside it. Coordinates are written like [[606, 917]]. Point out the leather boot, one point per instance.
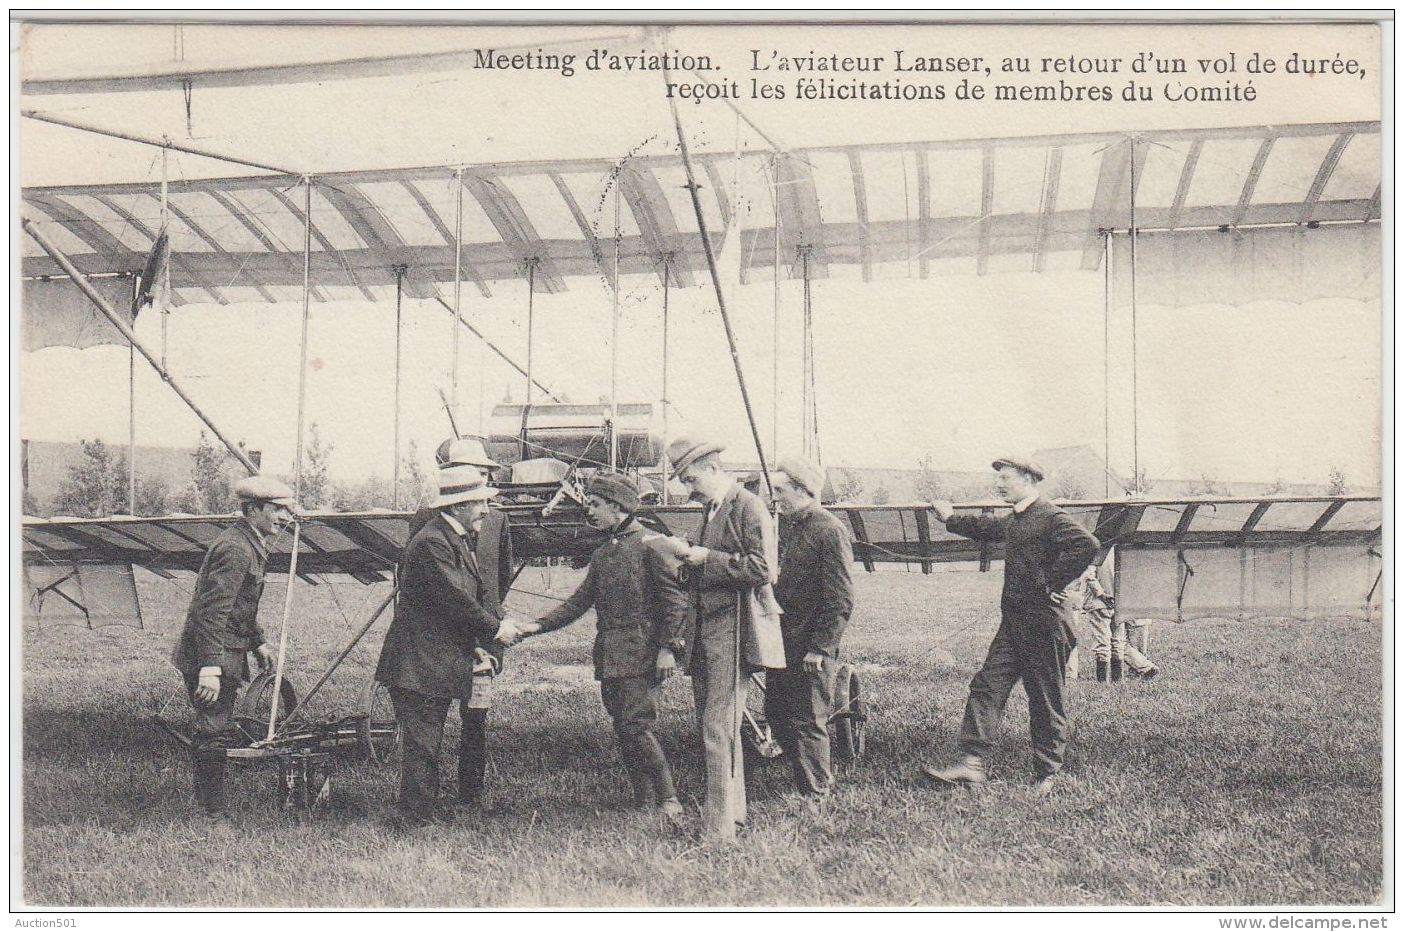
[[1116, 669], [209, 779], [969, 771], [1101, 670]]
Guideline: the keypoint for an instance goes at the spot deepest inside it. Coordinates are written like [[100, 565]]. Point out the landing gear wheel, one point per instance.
[[377, 732], [255, 706], [850, 715]]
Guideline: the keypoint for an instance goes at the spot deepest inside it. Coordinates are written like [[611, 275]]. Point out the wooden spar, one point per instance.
[[355, 639], [302, 353], [283, 634], [297, 459], [614, 335], [1135, 387], [163, 143], [1107, 281], [485, 342], [531, 323], [775, 315], [86, 287], [458, 288], [165, 271], [667, 268], [692, 188], [131, 408], [395, 468]]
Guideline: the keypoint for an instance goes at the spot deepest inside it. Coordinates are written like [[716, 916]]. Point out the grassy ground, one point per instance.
[[1249, 773]]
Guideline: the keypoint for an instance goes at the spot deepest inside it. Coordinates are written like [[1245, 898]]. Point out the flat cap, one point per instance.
[[685, 451], [616, 488], [1021, 463], [803, 472], [264, 489]]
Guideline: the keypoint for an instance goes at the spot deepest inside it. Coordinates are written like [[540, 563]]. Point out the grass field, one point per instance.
[[1249, 773]]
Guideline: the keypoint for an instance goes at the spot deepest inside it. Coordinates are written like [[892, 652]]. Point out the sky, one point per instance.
[[956, 367]]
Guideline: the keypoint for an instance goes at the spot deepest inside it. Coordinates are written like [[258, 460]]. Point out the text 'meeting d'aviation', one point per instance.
[[566, 63]]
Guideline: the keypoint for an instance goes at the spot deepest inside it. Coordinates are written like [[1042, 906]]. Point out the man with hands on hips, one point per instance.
[[641, 610], [442, 617], [1045, 551]]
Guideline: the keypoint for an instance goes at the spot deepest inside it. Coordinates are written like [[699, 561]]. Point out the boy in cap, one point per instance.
[[815, 589], [641, 610], [442, 615], [221, 627], [1045, 551], [729, 561]]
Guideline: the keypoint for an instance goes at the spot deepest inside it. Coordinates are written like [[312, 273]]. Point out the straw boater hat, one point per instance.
[[465, 451], [1021, 463], [617, 489], [265, 489], [685, 451], [462, 484], [803, 472]]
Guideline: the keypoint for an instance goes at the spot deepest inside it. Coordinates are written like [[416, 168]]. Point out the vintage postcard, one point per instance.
[[634, 465]]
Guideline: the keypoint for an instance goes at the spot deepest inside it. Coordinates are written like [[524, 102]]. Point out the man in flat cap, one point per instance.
[[1045, 551], [728, 562], [442, 616], [641, 613], [221, 628], [815, 589], [492, 546]]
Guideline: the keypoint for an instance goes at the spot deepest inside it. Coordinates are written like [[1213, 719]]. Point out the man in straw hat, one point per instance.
[[492, 545], [729, 560], [1045, 551], [641, 620], [221, 627], [442, 615], [815, 588]]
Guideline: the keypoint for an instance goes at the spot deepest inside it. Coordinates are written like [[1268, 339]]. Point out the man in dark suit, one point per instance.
[[441, 618], [1045, 551], [221, 628], [815, 589], [730, 560], [493, 549]]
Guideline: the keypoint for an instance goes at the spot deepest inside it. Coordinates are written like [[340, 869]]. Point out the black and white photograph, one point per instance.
[[700, 463]]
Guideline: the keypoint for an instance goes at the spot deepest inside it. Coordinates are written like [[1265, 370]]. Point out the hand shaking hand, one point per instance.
[[513, 630]]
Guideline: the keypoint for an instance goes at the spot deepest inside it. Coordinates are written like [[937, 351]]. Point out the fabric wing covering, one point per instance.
[[1297, 207]]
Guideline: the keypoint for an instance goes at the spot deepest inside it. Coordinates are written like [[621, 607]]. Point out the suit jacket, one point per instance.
[[1045, 551], [639, 600], [495, 562], [221, 626], [815, 587], [736, 537], [441, 615]]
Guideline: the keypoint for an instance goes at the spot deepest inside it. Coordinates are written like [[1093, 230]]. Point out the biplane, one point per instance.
[[1207, 214]]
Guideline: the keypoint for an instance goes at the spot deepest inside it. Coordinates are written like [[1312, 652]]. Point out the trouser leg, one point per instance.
[[472, 753], [719, 693], [778, 713], [1138, 661], [421, 721], [632, 705], [807, 700], [1103, 644], [211, 734], [1138, 636], [1044, 658], [989, 691]]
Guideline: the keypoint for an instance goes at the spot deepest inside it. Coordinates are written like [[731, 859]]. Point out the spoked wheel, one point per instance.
[[255, 706], [377, 732], [850, 715], [756, 735]]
